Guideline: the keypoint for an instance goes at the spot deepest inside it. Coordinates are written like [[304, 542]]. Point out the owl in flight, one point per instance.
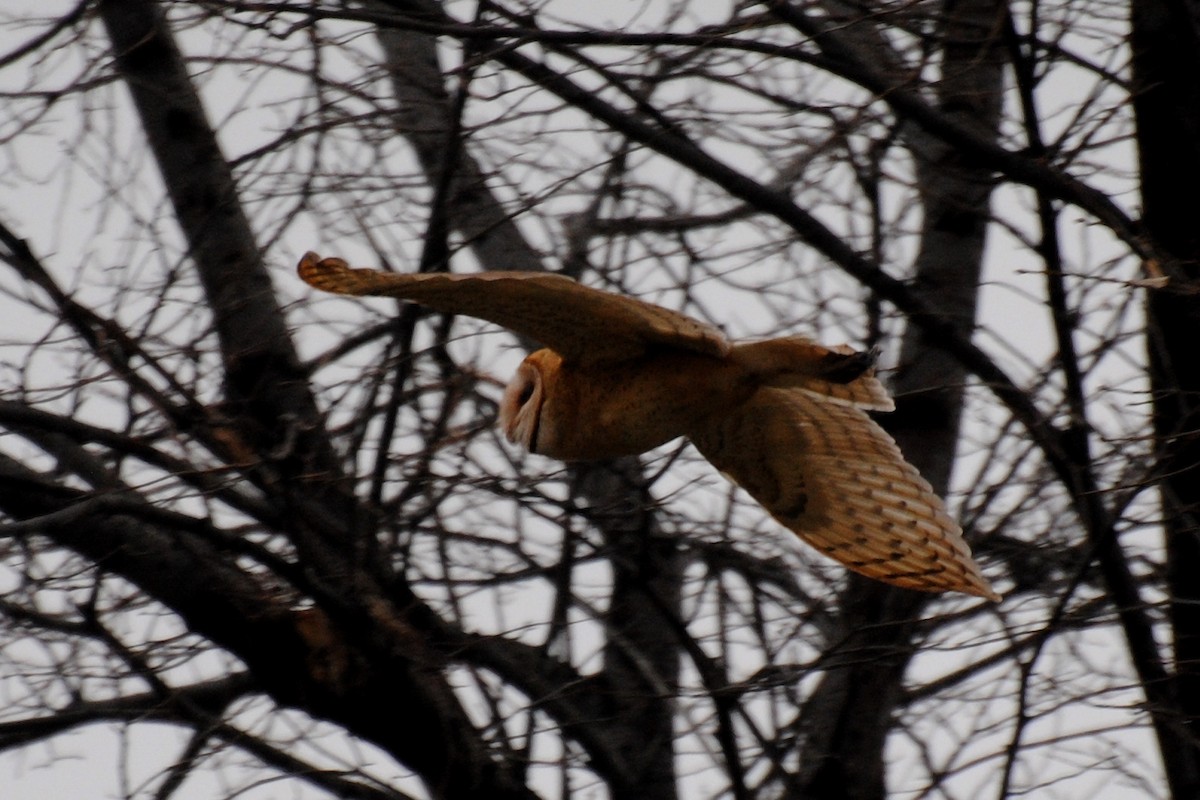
[[784, 418]]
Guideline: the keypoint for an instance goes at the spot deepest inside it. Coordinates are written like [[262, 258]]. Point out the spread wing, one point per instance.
[[580, 323], [834, 477]]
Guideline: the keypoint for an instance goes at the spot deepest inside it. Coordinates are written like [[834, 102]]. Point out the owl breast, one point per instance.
[[599, 411]]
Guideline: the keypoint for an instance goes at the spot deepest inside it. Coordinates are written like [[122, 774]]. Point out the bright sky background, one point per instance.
[[67, 217]]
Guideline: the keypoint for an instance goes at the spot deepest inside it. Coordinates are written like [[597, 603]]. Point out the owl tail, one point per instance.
[[838, 373]]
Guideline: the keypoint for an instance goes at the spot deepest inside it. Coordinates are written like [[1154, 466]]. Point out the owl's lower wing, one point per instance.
[[835, 478], [580, 323]]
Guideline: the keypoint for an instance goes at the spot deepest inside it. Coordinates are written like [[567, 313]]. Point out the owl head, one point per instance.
[[522, 411]]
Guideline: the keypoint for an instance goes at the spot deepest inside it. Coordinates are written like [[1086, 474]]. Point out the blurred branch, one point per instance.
[[838, 57], [210, 697]]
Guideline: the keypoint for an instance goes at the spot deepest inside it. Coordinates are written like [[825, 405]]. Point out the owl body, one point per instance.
[[620, 408], [784, 418]]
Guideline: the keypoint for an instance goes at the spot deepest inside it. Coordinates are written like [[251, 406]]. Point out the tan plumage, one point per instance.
[[784, 418]]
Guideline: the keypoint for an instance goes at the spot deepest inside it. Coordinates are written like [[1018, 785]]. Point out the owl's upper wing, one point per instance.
[[828, 472], [580, 323]]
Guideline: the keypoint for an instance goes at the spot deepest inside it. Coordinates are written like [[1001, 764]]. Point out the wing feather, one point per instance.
[[580, 323], [838, 373], [829, 473]]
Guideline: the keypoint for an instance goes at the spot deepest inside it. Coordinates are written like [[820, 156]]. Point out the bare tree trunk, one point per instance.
[[425, 117], [847, 721], [641, 655], [383, 668], [262, 373], [1165, 39]]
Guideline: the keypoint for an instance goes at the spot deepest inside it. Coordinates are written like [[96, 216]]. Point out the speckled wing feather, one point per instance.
[[829, 473], [580, 323]]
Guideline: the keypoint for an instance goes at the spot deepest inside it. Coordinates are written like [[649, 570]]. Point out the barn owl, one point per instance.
[[784, 418]]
